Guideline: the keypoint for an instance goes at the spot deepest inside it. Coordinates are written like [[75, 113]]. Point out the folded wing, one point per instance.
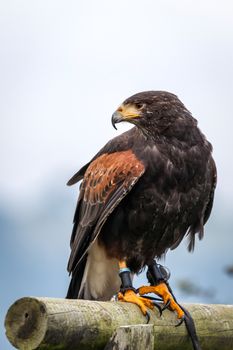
[[107, 180]]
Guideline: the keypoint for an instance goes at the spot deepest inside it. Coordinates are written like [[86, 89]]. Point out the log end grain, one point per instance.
[[26, 323]]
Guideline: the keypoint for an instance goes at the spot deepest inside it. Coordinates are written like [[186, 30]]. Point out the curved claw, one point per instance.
[[181, 321], [147, 315], [166, 305], [152, 298], [164, 291], [158, 307], [154, 301]]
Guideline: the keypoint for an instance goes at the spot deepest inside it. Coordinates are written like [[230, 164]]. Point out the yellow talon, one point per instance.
[[131, 297], [162, 290]]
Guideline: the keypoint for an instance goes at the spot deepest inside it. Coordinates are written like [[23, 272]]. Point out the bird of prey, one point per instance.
[[140, 195]]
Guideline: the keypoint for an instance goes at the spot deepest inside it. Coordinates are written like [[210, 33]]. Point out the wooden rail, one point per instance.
[[47, 323]]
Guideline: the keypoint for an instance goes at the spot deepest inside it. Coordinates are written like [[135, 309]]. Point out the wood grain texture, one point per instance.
[[134, 337], [47, 323]]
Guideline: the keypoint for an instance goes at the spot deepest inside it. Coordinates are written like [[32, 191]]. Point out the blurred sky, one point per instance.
[[65, 66]]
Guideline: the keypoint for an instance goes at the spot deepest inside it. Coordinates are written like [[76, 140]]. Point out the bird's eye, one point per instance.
[[139, 105]]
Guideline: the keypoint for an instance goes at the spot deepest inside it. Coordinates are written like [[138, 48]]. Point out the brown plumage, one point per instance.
[[106, 181], [140, 194]]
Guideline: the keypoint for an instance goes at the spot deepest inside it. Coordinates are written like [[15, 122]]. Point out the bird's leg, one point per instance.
[[129, 294], [158, 276]]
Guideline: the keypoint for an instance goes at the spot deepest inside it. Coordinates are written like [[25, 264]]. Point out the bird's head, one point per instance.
[[151, 111]]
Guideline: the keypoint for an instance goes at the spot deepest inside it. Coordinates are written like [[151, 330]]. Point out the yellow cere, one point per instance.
[[129, 111]]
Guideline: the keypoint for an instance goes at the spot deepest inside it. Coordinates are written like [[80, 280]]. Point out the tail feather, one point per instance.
[[95, 277], [76, 281]]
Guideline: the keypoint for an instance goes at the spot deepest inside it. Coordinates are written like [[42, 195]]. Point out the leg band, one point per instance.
[[157, 273], [126, 281]]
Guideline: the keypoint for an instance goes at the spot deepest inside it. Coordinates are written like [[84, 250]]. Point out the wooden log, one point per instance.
[[46, 323], [133, 337]]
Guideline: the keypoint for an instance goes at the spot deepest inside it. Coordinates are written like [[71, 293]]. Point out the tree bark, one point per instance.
[[47, 323], [133, 337]]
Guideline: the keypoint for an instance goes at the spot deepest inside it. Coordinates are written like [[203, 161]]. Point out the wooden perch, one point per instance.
[[46, 323]]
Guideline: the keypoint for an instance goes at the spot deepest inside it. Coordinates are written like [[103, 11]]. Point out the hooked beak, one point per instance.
[[116, 118], [125, 113]]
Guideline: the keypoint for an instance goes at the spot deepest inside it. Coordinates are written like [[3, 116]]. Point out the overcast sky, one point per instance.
[[66, 65]]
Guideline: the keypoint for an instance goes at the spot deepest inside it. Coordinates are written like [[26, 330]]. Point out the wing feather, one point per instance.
[[106, 182]]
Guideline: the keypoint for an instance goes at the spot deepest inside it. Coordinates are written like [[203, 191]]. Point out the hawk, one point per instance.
[[140, 195]]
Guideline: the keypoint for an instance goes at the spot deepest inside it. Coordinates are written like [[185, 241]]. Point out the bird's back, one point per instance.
[[172, 198]]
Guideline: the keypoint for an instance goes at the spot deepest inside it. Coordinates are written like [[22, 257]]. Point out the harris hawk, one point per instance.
[[140, 195]]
